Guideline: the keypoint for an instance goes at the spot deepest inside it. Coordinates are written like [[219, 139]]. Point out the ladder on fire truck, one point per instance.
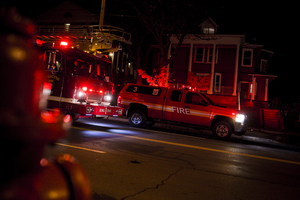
[[88, 38], [103, 38]]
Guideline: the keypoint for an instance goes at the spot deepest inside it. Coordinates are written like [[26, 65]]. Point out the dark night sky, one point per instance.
[[272, 25], [269, 24]]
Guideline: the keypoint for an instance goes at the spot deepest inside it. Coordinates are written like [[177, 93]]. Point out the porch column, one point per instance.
[[191, 57], [236, 71], [168, 68], [212, 72], [266, 89], [253, 88]]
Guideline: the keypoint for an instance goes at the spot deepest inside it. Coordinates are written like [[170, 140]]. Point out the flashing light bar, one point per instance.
[[85, 89], [64, 43]]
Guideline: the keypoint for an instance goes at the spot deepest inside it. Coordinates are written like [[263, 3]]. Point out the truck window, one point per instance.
[[144, 90], [176, 95], [52, 61], [103, 70], [80, 65], [193, 98]]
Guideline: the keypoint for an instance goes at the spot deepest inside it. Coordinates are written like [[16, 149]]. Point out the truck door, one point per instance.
[[53, 65], [198, 111], [172, 109]]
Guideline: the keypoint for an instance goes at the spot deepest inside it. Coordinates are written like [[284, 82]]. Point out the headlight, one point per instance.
[[81, 94], [240, 118], [107, 97]]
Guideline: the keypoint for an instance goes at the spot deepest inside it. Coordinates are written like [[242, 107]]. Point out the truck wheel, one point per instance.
[[222, 130], [137, 118]]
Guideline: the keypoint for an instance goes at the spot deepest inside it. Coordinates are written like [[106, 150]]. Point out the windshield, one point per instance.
[[87, 66], [80, 65]]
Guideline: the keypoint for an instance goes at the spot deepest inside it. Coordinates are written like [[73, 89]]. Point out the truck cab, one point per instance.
[[147, 104]]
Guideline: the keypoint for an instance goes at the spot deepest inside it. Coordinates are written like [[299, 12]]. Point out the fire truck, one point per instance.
[[79, 83]]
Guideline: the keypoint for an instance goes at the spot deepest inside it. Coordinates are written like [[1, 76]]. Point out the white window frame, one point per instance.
[[207, 53], [217, 88], [243, 58]]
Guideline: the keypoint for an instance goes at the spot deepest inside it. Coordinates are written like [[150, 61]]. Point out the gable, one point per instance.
[[67, 12], [208, 26]]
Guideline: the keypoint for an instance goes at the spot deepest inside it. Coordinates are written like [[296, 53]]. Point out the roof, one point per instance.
[[208, 23]]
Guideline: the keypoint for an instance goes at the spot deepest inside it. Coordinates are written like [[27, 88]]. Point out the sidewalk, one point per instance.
[[285, 137], [281, 136]]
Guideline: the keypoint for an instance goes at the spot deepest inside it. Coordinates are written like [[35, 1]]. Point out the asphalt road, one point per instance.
[[123, 162]]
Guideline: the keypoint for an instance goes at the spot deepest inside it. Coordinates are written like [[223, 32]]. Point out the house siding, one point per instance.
[[180, 65], [234, 73], [226, 65]]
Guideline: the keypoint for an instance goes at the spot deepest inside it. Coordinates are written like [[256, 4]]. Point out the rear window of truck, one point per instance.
[[144, 90]]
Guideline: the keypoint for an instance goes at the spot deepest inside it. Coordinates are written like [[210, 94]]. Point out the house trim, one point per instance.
[[243, 64]]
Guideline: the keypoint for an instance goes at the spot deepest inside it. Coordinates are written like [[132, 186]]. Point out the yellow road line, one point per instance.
[[198, 147], [81, 148]]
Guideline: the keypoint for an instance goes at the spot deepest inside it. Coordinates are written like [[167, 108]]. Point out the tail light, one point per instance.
[[119, 99]]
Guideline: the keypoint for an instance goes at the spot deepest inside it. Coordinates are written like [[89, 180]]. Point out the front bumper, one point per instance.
[[240, 128]]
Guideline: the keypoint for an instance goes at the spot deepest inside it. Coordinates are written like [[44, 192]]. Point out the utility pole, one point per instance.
[[102, 11]]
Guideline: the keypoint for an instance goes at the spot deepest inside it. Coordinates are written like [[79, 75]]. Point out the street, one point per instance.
[[123, 162]]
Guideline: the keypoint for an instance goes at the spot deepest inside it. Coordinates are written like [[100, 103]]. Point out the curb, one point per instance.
[[282, 137]]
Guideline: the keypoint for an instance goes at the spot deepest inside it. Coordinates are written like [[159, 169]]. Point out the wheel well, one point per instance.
[[137, 106], [221, 118]]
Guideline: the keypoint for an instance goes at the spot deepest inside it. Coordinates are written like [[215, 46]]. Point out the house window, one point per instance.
[[176, 95], [205, 55], [209, 54], [263, 65], [247, 57], [208, 31], [199, 56], [217, 85]]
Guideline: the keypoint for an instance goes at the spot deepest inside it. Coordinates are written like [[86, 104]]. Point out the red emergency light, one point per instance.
[[84, 88], [64, 43]]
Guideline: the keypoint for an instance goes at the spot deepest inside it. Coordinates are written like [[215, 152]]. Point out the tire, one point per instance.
[[222, 130], [137, 118]]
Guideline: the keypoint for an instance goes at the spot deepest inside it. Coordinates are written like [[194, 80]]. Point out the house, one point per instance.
[[227, 68]]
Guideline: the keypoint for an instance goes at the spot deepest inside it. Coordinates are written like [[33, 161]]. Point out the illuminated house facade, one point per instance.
[[225, 67]]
